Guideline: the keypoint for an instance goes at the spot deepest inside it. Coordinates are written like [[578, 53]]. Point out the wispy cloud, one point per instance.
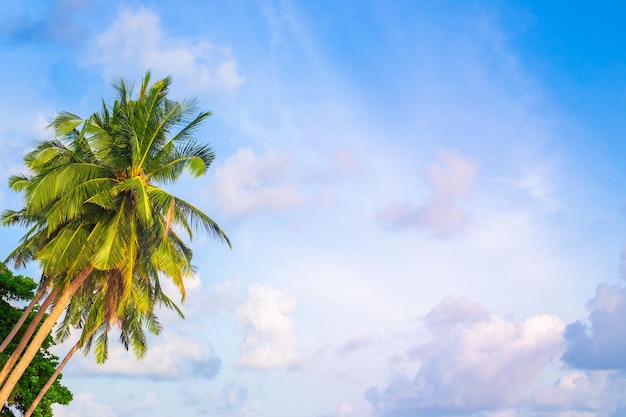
[[356, 343], [450, 178], [536, 181]]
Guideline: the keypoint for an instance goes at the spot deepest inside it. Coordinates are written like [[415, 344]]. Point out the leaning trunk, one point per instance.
[[51, 380], [41, 335], [24, 316], [26, 337]]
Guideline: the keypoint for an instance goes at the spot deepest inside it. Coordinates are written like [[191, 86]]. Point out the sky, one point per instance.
[[426, 200]]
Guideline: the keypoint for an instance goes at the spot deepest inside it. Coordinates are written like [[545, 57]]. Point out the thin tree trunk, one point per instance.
[[24, 316], [56, 373], [44, 331], [26, 337], [51, 380]]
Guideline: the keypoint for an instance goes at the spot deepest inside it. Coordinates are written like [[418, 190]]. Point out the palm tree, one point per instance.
[[94, 207], [92, 313]]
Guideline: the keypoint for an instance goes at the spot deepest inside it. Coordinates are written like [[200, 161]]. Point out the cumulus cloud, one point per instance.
[[581, 392], [248, 183], [476, 362], [270, 340], [600, 341], [172, 356], [450, 179], [136, 42], [482, 365]]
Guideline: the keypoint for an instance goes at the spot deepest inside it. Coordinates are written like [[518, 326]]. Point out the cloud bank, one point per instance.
[[476, 362]]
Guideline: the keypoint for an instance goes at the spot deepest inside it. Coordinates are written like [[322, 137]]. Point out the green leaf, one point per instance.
[[65, 122]]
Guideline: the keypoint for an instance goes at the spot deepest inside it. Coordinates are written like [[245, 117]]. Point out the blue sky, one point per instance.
[[426, 202]]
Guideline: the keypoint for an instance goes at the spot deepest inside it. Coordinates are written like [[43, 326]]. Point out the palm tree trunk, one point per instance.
[[20, 322], [44, 331], [26, 337], [51, 380]]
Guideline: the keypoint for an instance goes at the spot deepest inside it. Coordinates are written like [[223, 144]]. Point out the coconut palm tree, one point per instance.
[[94, 206], [92, 314]]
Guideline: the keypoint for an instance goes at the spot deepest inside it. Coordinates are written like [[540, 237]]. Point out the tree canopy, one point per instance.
[[17, 288]]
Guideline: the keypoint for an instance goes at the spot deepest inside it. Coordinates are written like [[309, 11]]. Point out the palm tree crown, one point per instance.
[[95, 199], [97, 217]]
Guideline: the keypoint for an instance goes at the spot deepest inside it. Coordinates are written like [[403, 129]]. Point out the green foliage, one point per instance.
[[19, 288], [93, 198], [95, 209], [15, 287]]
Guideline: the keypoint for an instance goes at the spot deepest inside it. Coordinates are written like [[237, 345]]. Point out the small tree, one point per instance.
[[19, 288]]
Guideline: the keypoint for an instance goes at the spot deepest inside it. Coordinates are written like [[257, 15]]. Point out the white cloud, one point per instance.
[[577, 390], [135, 42], [475, 362], [270, 340], [247, 183], [451, 178], [171, 356]]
